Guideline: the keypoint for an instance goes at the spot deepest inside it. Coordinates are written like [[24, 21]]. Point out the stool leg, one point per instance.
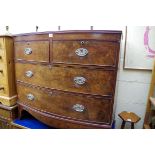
[[132, 125], [123, 124]]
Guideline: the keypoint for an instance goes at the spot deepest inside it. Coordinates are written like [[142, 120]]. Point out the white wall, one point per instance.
[[131, 91]]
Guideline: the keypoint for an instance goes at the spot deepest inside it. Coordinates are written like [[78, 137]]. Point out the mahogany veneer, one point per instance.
[[67, 79]]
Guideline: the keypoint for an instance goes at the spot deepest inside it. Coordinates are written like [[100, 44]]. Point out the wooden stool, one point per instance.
[[128, 117]]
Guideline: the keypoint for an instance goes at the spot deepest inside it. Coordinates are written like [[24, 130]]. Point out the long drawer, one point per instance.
[[85, 52], [97, 35], [80, 80], [70, 105], [32, 50]]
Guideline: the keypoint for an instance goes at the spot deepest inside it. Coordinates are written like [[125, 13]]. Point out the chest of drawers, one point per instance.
[[8, 94], [7, 115], [66, 79]]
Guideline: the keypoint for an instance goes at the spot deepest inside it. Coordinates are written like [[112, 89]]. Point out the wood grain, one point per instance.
[[54, 102], [7, 76], [53, 85], [62, 123], [99, 52], [40, 51], [98, 81], [8, 113], [90, 35], [31, 37]]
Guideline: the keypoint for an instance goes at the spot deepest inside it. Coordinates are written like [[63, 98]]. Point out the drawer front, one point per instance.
[[3, 80], [31, 37], [5, 114], [4, 124], [81, 80], [32, 51], [66, 104], [85, 52], [1, 51], [1, 43], [87, 35]]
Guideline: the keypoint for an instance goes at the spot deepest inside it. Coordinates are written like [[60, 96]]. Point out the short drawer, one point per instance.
[[31, 37], [32, 50], [1, 57], [1, 52], [85, 52], [3, 79], [75, 106], [3, 85], [80, 80]]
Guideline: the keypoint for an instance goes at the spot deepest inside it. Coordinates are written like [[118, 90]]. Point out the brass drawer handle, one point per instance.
[[29, 74], [79, 80], [78, 107], [81, 52], [30, 97], [27, 51], [1, 88]]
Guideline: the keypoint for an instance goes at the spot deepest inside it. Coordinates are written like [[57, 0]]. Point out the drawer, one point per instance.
[[3, 89], [85, 52], [4, 114], [97, 35], [1, 50], [3, 79], [80, 80], [8, 113], [71, 105], [2, 60], [32, 51], [31, 37], [1, 43], [4, 124]]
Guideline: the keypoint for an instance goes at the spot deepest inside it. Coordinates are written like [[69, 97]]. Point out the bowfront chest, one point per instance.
[[67, 79]]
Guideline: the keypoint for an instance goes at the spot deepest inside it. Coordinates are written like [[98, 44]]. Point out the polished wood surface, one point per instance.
[[8, 113], [4, 124], [60, 122], [69, 91], [40, 51], [90, 35], [98, 81], [96, 109], [31, 37], [99, 52], [7, 78], [128, 117]]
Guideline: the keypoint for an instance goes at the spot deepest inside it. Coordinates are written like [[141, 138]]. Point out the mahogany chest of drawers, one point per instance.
[[67, 79], [8, 95]]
